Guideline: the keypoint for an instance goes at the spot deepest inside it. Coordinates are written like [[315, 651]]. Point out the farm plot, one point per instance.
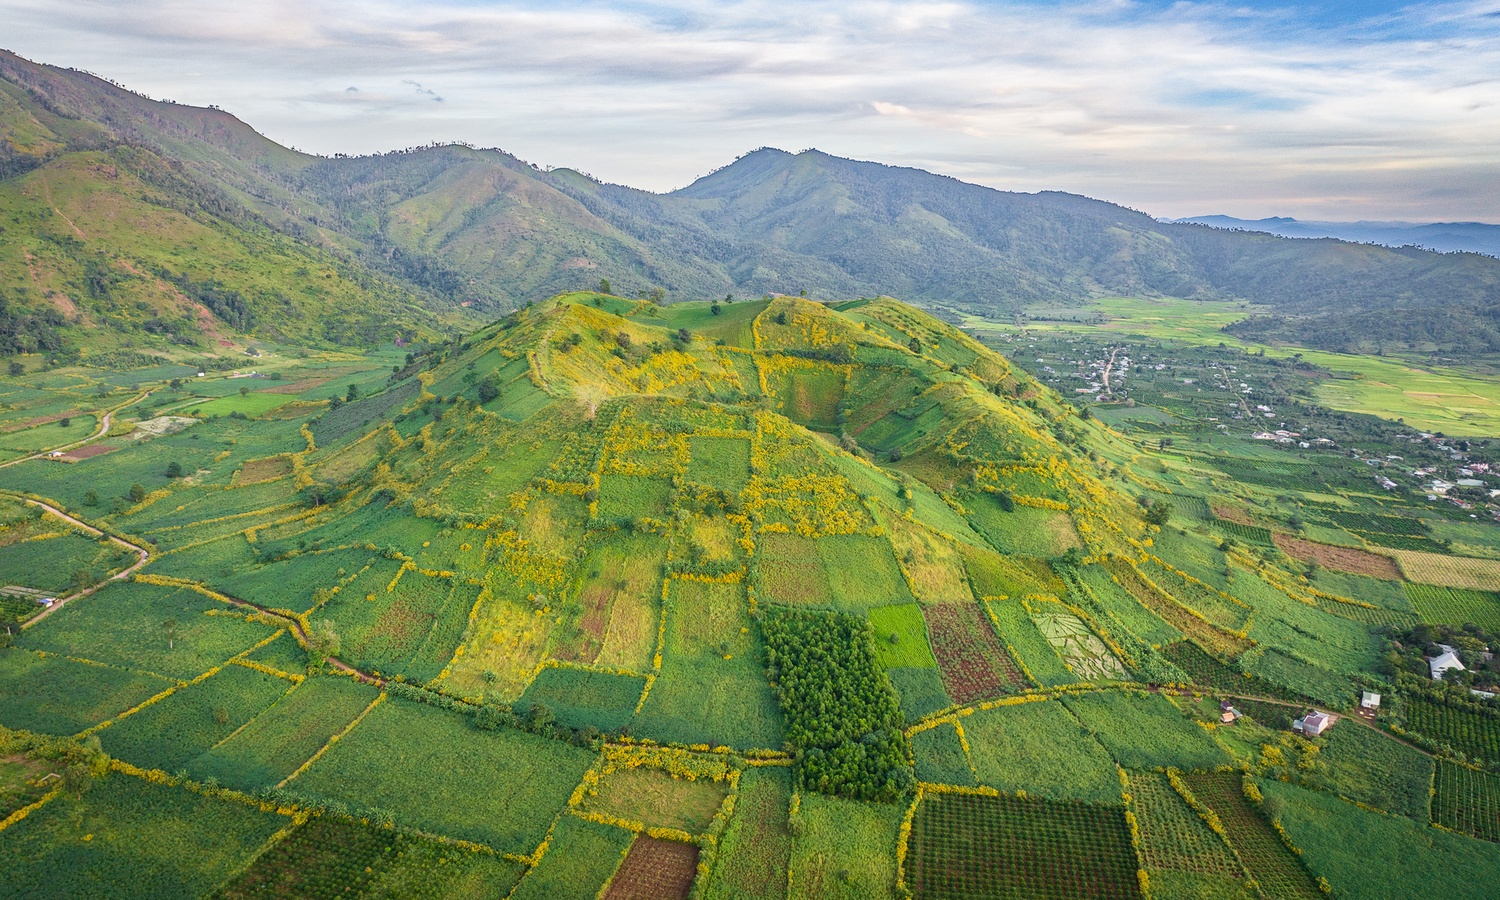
[[844, 850], [940, 757], [901, 637], [1455, 606], [791, 571], [173, 632], [290, 583], [1025, 530], [1371, 768], [501, 791], [1178, 847], [976, 846], [1265, 857], [1217, 640], [1369, 856], [861, 571], [1341, 559], [712, 686], [54, 695], [580, 698], [1208, 672], [657, 799], [1031, 646], [1040, 748], [285, 736], [755, 848], [127, 838], [1080, 649], [935, 568], [1467, 801], [920, 691], [974, 662], [1127, 610], [655, 869], [723, 462], [169, 734], [624, 498], [52, 564], [1449, 571], [1471, 733], [1222, 611], [326, 856], [1144, 731], [581, 857], [618, 603], [382, 626], [269, 468], [420, 869]]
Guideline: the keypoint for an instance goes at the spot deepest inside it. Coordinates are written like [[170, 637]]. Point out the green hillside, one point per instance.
[[772, 598], [110, 246]]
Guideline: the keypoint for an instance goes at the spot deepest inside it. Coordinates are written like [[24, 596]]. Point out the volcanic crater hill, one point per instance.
[[846, 440]]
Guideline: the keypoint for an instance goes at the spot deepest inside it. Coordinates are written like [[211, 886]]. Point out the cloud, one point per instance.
[[1322, 110]]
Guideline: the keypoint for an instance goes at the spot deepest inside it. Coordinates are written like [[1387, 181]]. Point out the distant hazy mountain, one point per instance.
[[1448, 237]]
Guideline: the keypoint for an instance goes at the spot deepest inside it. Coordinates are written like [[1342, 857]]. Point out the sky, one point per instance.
[[1320, 110]]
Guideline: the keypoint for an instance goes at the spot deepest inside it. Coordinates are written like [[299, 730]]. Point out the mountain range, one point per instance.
[[178, 225], [1445, 237]]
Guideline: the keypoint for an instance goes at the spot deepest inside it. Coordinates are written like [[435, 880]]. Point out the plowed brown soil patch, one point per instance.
[[1341, 559], [1234, 514], [255, 471], [91, 450], [655, 870]]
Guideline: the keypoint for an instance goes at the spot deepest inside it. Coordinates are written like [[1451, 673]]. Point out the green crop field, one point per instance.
[[171, 733], [974, 846], [1143, 731], [1042, 749], [1367, 855], [1180, 851], [129, 838], [757, 845], [279, 740], [501, 792]]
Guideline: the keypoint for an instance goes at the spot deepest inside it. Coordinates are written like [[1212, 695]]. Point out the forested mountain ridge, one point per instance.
[[452, 227]]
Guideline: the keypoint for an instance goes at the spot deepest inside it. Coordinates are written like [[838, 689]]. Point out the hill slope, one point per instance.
[[113, 240]]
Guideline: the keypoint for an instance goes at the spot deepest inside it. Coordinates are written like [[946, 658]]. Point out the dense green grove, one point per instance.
[[841, 714]]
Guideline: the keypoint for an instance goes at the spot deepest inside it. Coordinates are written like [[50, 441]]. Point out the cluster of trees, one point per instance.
[[842, 716], [1406, 651], [29, 331]]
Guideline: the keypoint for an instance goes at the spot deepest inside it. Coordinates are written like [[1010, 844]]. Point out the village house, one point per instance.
[[1313, 724], [1443, 662]]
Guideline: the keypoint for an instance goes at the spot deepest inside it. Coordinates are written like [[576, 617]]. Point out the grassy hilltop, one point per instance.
[[767, 599]]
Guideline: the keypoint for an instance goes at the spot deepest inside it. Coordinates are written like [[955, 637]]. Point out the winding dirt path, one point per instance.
[[141, 552], [104, 424]]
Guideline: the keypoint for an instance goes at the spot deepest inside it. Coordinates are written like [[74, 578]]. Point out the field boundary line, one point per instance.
[[27, 810], [379, 698]]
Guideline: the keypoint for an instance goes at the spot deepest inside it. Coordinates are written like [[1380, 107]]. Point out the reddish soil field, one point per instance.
[[592, 627], [85, 452], [1234, 514], [972, 659], [655, 870], [257, 470], [1342, 559]]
